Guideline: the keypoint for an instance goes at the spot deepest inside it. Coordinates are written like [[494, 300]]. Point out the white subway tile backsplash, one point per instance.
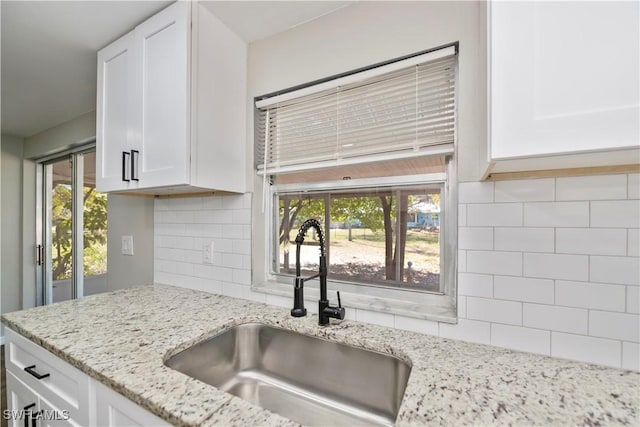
[[493, 262], [462, 215], [475, 238], [609, 269], [531, 190], [524, 239], [591, 241], [242, 247], [617, 214], [556, 214], [590, 295], [633, 242], [631, 356], [475, 285], [242, 277], [160, 205], [586, 349], [233, 202], [596, 187], [475, 192], [492, 310], [553, 266], [416, 325], [519, 338], [462, 307], [462, 261], [532, 275], [633, 189], [495, 214], [523, 289], [620, 326], [241, 216], [467, 330], [211, 203], [232, 231], [232, 260], [633, 299], [555, 318]]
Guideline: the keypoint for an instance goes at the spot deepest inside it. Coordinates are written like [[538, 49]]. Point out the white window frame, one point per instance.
[[375, 297]]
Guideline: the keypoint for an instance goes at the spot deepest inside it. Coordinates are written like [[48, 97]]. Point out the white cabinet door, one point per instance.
[[163, 87], [563, 77], [22, 402], [114, 139]]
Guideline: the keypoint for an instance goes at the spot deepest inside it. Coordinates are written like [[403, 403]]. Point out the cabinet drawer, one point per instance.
[[50, 377]]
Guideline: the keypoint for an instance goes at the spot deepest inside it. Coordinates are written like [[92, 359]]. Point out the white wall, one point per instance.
[[129, 216], [11, 221]]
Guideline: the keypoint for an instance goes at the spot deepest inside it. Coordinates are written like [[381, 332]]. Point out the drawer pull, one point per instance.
[[32, 370]]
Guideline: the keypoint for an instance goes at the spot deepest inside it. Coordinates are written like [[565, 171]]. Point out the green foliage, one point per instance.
[[94, 236], [367, 209]]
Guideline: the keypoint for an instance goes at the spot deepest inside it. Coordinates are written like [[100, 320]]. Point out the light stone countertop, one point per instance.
[[122, 338]]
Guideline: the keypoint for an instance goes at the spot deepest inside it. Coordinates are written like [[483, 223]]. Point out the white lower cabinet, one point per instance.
[[45, 391], [113, 409], [28, 408]]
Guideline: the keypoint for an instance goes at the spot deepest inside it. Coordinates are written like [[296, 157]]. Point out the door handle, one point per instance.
[[134, 165], [39, 254], [125, 165]]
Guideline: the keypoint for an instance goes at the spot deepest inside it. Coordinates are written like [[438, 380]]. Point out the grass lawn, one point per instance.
[[363, 258]]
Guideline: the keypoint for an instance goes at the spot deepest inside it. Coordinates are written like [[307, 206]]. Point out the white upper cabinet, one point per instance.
[[115, 115], [164, 94], [171, 111], [563, 79]]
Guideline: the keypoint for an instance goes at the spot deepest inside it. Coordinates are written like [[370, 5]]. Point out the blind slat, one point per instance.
[[409, 110]]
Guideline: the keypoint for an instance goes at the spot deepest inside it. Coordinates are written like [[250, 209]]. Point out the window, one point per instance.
[[72, 237], [371, 155]]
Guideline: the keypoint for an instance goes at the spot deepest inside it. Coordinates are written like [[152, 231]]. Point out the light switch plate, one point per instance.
[[127, 245]]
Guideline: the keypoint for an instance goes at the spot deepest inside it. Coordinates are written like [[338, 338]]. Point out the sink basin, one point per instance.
[[306, 379]]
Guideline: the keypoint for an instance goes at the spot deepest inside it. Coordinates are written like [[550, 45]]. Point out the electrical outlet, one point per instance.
[[127, 245], [207, 253]]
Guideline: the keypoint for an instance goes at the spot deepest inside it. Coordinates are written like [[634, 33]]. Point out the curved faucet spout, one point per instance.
[[311, 223]]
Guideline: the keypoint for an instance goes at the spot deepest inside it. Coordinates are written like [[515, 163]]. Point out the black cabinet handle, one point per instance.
[[32, 370], [34, 421], [134, 164], [125, 165], [26, 413]]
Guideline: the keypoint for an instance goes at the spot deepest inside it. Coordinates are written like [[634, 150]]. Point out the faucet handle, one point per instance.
[[339, 302]]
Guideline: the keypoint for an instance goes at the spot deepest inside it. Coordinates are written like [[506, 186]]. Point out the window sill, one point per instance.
[[438, 308]]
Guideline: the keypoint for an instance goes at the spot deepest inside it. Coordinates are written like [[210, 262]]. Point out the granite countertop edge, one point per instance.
[[123, 338]]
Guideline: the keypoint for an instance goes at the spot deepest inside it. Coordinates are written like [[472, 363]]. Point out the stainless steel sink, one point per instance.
[[306, 379]]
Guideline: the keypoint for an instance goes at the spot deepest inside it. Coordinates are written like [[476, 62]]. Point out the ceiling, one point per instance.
[[48, 49]]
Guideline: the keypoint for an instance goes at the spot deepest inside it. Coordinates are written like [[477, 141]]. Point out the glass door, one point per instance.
[[72, 251]]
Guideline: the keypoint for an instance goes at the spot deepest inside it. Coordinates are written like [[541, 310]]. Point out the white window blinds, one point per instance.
[[403, 109]]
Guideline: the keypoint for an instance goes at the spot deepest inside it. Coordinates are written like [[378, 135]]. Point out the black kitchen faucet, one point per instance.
[[325, 311]]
